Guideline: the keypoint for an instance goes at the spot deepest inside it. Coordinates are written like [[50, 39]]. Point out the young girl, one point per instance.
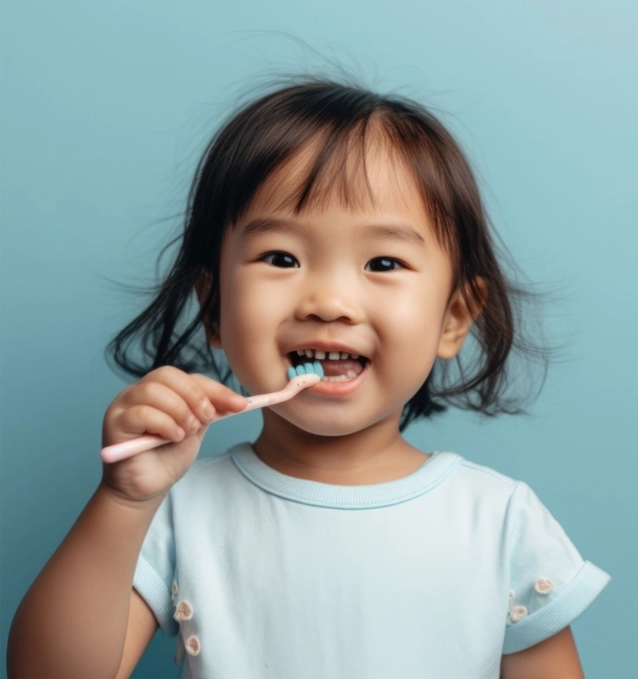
[[325, 223]]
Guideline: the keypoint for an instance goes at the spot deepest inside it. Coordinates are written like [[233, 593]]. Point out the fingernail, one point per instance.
[[209, 412]]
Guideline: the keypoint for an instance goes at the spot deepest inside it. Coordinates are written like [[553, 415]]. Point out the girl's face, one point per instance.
[[371, 282]]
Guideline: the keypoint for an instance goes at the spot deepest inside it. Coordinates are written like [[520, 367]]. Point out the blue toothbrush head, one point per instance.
[[306, 369]]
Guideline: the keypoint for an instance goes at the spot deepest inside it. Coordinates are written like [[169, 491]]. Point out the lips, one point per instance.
[[340, 387]]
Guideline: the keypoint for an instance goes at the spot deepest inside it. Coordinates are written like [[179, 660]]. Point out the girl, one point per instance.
[[327, 223]]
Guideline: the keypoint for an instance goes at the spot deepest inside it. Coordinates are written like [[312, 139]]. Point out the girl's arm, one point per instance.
[[554, 658], [142, 625], [73, 620]]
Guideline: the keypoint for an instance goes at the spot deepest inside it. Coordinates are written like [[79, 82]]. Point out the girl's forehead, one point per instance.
[[374, 179]]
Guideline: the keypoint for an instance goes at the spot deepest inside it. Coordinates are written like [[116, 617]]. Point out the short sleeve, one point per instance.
[[550, 583], [155, 570]]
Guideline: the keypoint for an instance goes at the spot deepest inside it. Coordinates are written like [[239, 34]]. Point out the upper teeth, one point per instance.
[[320, 355]]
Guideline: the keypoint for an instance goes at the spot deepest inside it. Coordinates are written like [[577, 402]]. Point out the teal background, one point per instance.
[[105, 108]]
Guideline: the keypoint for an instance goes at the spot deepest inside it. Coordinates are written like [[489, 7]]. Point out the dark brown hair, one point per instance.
[[342, 117]]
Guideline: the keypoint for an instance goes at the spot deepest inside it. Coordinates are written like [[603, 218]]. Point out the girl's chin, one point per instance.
[[320, 429], [329, 422]]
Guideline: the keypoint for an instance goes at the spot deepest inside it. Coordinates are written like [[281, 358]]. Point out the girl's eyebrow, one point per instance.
[[267, 225], [395, 232], [390, 232]]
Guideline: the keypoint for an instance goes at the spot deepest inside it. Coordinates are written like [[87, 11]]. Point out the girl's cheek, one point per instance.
[[405, 319], [411, 335], [251, 315]]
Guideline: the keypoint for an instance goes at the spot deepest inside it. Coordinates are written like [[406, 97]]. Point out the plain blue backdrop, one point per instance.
[[105, 109]]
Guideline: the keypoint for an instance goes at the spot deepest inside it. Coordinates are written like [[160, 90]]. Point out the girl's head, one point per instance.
[[324, 216]]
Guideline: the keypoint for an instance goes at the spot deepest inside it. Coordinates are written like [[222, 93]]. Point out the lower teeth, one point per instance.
[[350, 375]]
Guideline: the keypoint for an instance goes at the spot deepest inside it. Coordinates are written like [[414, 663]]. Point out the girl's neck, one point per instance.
[[377, 454]]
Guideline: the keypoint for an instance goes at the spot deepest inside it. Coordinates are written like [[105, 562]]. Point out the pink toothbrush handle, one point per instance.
[[121, 451]]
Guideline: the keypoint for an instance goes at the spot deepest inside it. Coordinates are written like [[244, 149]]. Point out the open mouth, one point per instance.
[[338, 366]]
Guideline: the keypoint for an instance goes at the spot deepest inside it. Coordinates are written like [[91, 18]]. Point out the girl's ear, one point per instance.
[[458, 320], [202, 287]]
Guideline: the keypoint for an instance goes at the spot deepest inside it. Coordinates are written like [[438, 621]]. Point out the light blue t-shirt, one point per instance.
[[436, 574]]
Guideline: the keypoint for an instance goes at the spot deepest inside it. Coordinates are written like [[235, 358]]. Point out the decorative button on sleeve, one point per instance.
[[192, 645], [544, 586], [518, 613], [183, 611]]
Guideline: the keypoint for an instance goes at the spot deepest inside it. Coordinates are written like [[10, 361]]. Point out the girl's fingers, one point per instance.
[[223, 398], [199, 396], [167, 400], [146, 419]]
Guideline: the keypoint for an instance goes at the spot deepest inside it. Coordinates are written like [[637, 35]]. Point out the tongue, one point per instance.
[[341, 367]]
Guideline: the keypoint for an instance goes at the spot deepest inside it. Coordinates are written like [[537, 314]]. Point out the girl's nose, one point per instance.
[[330, 303]]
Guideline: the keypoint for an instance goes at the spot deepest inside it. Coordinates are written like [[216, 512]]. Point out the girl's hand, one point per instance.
[[174, 405]]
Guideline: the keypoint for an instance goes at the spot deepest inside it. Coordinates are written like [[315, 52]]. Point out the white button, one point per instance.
[[192, 645], [544, 586], [183, 611], [518, 613]]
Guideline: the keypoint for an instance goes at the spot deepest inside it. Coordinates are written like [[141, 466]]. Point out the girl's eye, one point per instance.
[[281, 260], [383, 264]]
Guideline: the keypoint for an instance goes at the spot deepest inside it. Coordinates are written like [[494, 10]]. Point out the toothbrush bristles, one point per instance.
[[306, 369]]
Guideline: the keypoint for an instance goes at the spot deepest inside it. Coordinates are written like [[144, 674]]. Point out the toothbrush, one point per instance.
[[301, 377]]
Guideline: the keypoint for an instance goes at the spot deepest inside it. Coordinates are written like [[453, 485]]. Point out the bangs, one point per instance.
[[332, 167], [324, 137], [315, 134]]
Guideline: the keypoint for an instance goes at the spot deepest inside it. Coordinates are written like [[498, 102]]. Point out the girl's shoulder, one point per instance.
[[513, 499], [479, 470], [481, 479]]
